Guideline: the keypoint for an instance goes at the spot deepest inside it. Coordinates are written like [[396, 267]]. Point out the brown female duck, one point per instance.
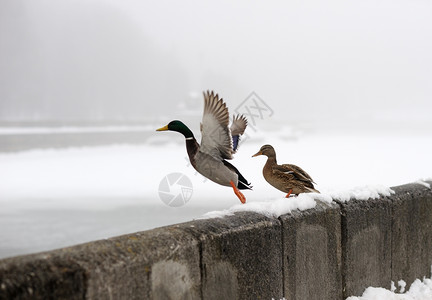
[[286, 178]]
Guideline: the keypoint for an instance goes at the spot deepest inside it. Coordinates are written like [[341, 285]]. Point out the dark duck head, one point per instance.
[[178, 126]]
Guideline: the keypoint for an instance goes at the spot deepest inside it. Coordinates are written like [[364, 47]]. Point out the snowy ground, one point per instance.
[[54, 198], [419, 290]]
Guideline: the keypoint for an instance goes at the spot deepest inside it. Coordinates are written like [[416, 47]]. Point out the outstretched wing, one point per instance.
[[237, 128], [216, 137]]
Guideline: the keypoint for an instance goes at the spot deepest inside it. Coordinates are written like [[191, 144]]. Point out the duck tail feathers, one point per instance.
[[312, 190], [243, 186], [242, 183]]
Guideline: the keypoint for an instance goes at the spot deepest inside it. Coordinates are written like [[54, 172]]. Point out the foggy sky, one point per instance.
[[135, 59]]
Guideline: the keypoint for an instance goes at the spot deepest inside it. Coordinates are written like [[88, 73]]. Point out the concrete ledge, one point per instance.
[[312, 253], [366, 245], [411, 233], [241, 256], [41, 276], [160, 263], [329, 252]]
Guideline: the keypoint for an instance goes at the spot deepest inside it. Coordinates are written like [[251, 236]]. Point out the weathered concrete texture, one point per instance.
[[241, 256], [411, 232], [312, 256], [366, 245], [157, 264], [42, 276]]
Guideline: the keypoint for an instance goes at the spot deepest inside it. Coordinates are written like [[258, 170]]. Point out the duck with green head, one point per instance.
[[218, 143]]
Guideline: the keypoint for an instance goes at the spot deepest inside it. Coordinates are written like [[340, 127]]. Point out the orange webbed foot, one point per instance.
[[239, 194]]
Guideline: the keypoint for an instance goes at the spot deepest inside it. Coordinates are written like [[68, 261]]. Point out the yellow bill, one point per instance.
[[162, 128]]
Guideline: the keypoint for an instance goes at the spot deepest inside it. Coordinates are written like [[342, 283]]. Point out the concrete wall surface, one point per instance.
[[329, 252]]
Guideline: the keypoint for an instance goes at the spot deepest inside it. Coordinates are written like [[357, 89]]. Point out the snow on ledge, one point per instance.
[[273, 208], [419, 290], [281, 206], [423, 182], [362, 193]]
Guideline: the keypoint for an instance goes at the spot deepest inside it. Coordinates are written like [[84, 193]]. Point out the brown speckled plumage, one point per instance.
[[287, 178]]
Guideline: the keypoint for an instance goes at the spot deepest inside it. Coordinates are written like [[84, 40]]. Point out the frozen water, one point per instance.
[[56, 197]]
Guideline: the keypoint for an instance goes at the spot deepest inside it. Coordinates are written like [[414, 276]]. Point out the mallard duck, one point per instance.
[[286, 178], [218, 143]]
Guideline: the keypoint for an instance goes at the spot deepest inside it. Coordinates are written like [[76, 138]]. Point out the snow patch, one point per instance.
[[281, 206], [361, 193], [424, 183], [419, 290], [402, 285], [273, 208]]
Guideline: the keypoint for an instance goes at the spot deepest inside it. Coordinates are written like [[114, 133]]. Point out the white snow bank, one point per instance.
[[419, 290], [281, 206]]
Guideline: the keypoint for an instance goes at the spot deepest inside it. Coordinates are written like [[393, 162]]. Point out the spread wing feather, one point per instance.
[[216, 137], [237, 128], [238, 125]]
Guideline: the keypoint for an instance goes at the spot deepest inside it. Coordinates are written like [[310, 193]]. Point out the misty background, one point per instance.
[[85, 83], [342, 62]]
